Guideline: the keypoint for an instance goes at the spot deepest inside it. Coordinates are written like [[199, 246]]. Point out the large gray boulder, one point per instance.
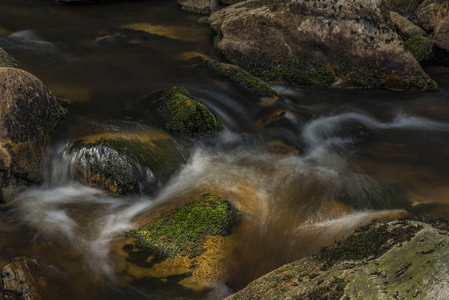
[[329, 43]]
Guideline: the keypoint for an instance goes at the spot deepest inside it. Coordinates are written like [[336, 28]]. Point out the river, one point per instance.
[[387, 151]]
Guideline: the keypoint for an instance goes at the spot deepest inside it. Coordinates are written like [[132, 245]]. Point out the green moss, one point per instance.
[[60, 113], [368, 241], [185, 231], [323, 76], [186, 115], [333, 290], [421, 47]]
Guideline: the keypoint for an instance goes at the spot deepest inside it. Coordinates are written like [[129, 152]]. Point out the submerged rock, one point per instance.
[[182, 248], [305, 42], [28, 111], [126, 163], [401, 259], [20, 280], [185, 115], [234, 73]]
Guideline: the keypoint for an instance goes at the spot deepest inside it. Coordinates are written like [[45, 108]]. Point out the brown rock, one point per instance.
[[28, 111], [406, 28], [316, 43], [20, 280]]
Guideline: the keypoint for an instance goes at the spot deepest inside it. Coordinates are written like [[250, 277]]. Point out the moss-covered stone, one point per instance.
[[185, 115], [185, 231], [321, 44], [232, 72], [421, 47], [183, 244]]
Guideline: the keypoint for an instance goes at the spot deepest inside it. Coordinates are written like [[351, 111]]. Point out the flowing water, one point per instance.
[[363, 154]]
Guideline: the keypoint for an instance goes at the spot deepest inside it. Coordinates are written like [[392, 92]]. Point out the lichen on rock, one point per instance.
[[404, 259]]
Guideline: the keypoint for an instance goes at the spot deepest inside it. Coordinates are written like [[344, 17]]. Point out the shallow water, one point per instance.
[[363, 154]]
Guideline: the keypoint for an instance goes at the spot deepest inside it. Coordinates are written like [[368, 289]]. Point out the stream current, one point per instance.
[[387, 152]]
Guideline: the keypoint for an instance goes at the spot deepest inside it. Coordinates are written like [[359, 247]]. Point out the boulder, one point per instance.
[[125, 163], [402, 259], [406, 28], [6, 60], [20, 280], [322, 43], [179, 246], [234, 73], [28, 111]]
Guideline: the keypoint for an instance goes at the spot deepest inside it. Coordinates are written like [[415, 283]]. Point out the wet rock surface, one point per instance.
[[21, 280], [128, 163]]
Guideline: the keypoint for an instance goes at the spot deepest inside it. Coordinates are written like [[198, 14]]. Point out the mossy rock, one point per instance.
[[184, 246], [380, 260], [346, 45], [185, 231], [234, 73], [125, 164], [421, 47], [185, 115]]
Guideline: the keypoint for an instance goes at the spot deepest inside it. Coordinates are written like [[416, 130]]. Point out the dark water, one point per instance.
[[363, 154]]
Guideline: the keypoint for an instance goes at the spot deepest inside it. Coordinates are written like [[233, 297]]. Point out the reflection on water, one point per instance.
[[362, 154]]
